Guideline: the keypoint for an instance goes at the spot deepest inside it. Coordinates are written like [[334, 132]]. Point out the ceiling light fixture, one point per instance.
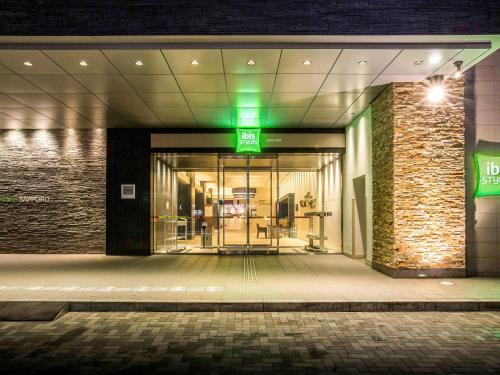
[[418, 62], [362, 62], [195, 62], [458, 65], [307, 62], [436, 92], [251, 62], [83, 63], [28, 63], [139, 63], [435, 58]]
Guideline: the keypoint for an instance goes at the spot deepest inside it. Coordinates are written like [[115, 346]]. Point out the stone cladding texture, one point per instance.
[[65, 167], [418, 178]]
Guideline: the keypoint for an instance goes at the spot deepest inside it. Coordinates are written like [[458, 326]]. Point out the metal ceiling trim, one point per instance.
[[240, 45]]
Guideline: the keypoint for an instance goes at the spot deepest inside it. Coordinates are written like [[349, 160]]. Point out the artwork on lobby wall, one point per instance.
[[487, 169], [308, 201]]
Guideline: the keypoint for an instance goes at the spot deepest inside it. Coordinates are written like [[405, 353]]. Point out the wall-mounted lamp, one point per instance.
[[436, 92], [458, 65]]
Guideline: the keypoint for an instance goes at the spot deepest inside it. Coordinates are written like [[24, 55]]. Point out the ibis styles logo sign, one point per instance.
[[487, 174], [247, 140]]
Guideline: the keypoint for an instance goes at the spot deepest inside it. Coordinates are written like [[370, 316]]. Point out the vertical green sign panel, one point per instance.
[[248, 140], [487, 174]]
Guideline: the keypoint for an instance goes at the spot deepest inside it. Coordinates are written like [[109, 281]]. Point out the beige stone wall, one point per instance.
[[418, 178], [383, 178]]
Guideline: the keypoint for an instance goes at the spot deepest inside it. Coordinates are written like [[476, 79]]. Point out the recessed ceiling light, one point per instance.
[[83, 63], [28, 63], [195, 62], [362, 62], [307, 62], [421, 275], [139, 63], [251, 62]]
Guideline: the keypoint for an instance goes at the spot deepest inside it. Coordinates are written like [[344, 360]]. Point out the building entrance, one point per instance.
[[247, 210], [251, 203]]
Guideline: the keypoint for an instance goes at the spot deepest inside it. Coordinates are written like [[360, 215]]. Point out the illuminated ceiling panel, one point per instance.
[[207, 87]]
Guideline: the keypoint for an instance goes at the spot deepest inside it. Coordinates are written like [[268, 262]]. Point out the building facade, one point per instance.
[[317, 133]]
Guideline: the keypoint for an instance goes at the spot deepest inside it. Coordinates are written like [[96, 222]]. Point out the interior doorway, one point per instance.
[[359, 224]]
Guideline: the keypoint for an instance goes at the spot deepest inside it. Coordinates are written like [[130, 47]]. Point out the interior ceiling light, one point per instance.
[[28, 63], [418, 62], [446, 283], [362, 62], [436, 92], [251, 62], [83, 63], [458, 65], [195, 62], [307, 62], [139, 63]]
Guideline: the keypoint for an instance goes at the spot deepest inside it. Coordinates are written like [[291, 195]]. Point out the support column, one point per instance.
[[419, 182]]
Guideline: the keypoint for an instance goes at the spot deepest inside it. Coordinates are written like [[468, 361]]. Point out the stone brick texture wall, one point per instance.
[[257, 17], [383, 178], [422, 225], [65, 167], [482, 133]]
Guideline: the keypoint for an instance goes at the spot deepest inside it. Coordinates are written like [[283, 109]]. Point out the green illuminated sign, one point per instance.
[[487, 174], [248, 140]]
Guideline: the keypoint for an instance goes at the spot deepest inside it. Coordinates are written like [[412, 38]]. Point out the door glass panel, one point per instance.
[[234, 201], [264, 231]]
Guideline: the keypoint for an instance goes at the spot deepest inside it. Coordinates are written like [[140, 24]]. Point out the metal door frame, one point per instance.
[[222, 247]]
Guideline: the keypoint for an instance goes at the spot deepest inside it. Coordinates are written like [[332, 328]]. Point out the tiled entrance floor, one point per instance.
[[178, 278]]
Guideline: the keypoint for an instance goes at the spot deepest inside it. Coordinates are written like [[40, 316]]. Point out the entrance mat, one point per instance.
[[282, 306], [32, 310]]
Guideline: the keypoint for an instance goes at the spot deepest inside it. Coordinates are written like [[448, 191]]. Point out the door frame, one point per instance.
[[223, 248]]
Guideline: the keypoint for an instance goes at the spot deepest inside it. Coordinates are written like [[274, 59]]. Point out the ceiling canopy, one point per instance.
[[209, 87]]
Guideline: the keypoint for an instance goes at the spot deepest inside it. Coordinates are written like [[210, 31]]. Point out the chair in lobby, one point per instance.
[[261, 230]]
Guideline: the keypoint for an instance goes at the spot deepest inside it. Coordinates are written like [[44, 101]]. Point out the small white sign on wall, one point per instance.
[[128, 191]]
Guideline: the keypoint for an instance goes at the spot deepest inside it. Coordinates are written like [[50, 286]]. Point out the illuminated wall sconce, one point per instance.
[[436, 92]]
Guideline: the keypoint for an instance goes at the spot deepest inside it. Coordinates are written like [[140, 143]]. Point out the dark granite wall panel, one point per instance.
[[257, 17], [128, 220], [52, 191]]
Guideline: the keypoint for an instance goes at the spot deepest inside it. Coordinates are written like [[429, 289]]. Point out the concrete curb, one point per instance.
[[52, 310], [284, 306], [31, 311]]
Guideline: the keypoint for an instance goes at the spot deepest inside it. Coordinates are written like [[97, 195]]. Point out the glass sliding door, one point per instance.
[[248, 204], [264, 231], [233, 175]]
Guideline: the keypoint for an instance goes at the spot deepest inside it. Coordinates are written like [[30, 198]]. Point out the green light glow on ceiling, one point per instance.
[[250, 110]]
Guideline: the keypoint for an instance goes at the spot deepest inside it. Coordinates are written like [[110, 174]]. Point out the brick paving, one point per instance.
[[229, 343]]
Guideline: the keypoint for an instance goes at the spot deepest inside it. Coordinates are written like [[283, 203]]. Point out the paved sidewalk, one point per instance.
[[181, 278], [253, 343]]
